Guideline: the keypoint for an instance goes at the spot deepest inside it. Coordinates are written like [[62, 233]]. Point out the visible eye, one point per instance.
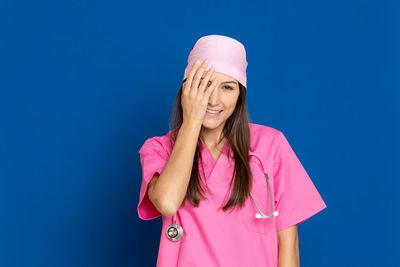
[[228, 87]]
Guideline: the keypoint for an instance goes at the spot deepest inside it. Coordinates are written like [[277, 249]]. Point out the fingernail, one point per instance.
[[197, 62]]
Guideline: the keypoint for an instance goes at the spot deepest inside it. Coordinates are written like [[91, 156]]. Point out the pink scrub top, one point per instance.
[[212, 237]]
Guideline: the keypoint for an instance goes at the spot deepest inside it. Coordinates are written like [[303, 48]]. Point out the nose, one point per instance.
[[214, 96]]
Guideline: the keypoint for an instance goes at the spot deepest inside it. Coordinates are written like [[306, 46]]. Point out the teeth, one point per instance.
[[213, 111]]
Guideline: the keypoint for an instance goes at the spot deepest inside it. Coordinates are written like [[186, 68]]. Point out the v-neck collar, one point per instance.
[[210, 167], [204, 149]]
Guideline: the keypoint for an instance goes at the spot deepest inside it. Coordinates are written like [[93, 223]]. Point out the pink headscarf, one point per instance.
[[228, 56]]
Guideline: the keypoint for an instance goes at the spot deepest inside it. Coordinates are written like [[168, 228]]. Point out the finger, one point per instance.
[[198, 75], [206, 80], [189, 79], [211, 88]]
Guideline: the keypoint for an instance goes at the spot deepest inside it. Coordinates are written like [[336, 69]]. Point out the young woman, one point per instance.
[[230, 192]]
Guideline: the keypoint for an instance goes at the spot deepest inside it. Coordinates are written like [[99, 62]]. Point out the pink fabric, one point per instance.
[[234, 238], [228, 56]]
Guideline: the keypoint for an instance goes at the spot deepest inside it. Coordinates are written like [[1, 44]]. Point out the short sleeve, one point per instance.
[[153, 158], [296, 197]]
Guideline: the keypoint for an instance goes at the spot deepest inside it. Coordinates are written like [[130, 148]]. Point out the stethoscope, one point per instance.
[[175, 231]]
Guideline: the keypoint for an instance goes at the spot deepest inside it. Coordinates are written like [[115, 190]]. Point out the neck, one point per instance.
[[212, 138]]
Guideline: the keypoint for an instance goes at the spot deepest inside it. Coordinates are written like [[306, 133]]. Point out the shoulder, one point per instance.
[[262, 136], [161, 144]]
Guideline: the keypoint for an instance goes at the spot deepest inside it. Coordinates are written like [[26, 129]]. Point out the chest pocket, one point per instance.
[[261, 196]]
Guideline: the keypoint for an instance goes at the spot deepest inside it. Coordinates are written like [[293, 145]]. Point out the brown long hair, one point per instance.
[[237, 132]]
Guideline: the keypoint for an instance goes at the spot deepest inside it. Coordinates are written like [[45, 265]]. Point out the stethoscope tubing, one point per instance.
[[175, 231], [272, 213]]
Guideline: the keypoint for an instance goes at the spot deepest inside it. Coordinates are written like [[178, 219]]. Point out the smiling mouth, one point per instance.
[[214, 111]]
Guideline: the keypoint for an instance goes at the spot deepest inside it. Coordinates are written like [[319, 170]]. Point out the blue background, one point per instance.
[[84, 83]]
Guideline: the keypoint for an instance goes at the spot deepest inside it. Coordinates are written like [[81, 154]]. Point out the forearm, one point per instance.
[[288, 248], [288, 254], [172, 184]]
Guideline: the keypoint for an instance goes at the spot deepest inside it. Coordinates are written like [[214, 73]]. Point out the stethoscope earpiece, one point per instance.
[[258, 215]]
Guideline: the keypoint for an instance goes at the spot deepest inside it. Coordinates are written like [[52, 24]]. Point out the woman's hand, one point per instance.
[[195, 94]]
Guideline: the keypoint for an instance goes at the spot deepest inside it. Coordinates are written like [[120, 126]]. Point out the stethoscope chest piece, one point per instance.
[[174, 232]]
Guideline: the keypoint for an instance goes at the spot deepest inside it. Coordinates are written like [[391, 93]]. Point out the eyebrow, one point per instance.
[[229, 82], [225, 82]]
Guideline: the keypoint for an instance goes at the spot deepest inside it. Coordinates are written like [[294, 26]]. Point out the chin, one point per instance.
[[211, 124]]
